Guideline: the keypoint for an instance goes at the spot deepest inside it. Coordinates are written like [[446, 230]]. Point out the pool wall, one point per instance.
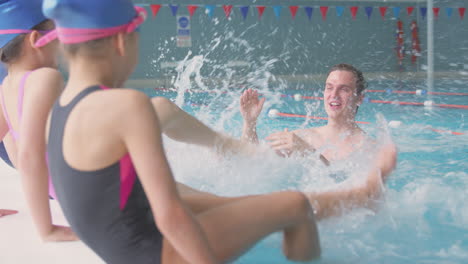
[[298, 48]]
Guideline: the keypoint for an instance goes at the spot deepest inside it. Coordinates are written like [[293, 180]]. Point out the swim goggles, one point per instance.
[[80, 35], [48, 33]]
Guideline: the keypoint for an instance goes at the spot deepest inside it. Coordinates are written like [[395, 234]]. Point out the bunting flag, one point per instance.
[[174, 9], [423, 11], [449, 11], [210, 10], [192, 9], [293, 10], [383, 11], [461, 11], [227, 10], [324, 10], [436, 11], [155, 9], [260, 10], [353, 10], [396, 11], [309, 10], [277, 10], [244, 11], [369, 11], [339, 11]]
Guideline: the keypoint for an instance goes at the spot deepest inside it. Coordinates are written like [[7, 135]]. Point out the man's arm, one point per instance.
[[251, 107], [286, 143]]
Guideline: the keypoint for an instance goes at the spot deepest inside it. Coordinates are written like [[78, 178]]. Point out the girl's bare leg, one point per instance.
[[235, 227], [199, 201], [180, 126], [332, 203]]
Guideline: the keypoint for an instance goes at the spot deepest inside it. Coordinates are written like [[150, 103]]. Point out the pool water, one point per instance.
[[423, 217]]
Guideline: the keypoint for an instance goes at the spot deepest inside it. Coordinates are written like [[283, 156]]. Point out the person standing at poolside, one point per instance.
[[343, 93]]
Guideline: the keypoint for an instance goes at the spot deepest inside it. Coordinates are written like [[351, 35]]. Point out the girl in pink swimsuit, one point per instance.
[[27, 93]]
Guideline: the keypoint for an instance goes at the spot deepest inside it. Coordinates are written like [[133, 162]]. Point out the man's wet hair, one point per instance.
[[361, 83], [12, 50]]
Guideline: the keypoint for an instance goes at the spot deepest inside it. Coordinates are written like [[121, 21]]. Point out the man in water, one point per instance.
[[337, 140]]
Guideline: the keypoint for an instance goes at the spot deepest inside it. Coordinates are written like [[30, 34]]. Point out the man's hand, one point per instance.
[[251, 106], [285, 143]]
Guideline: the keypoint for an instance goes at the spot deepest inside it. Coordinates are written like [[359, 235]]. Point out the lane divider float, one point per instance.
[[275, 113]]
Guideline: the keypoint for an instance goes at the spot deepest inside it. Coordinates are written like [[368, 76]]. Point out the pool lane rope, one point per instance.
[[273, 113], [417, 92], [299, 97]]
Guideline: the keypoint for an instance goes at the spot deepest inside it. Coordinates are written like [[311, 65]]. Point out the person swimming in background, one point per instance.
[[3, 153], [109, 168], [27, 93], [343, 93]]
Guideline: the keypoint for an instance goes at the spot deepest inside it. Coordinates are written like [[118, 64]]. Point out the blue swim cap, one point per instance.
[[79, 21], [89, 14], [18, 15]]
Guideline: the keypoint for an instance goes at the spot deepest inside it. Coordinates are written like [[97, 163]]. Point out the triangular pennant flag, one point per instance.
[[277, 10], [409, 10], [324, 10], [383, 11], [210, 10], [293, 10], [339, 11], [449, 11], [461, 11], [369, 11], [155, 9], [396, 11], [353, 10], [174, 9], [423, 11], [192, 9], [260, 10], [244, 10], [227, 10], [436, 11], [309, 11]]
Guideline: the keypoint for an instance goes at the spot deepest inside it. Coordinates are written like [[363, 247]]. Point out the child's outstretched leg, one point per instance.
[[180, 126], [199, 201], [235, 227]]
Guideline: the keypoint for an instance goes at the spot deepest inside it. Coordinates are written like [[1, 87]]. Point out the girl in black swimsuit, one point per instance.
[[109, 169]]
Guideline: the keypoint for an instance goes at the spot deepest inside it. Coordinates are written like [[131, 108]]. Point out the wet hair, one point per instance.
[[361, 83], [12, 50]]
